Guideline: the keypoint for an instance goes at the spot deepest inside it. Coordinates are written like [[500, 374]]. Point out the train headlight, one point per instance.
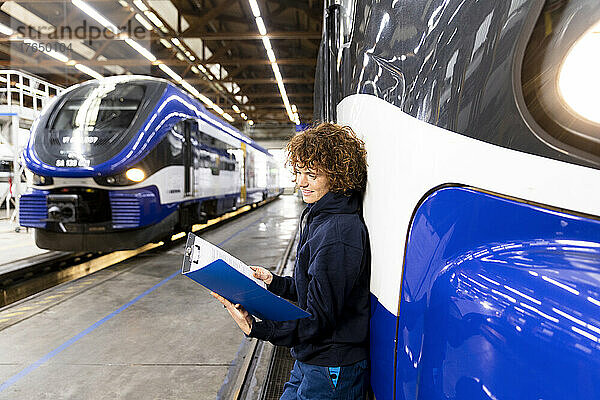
[[578, 79], [40, 180], [135, 174]]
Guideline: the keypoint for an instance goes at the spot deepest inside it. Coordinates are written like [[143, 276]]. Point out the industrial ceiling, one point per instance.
[[251, 61]]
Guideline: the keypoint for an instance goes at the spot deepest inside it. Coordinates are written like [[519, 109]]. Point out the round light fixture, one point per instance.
[[135, 174], [578, 79]]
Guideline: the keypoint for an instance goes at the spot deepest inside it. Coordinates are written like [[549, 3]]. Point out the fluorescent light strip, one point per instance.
[[262, 29], [235, 108], [156, 21], [54, 54], [218, 109], [206, 100], [254, 7], [190, 88], [146, 24], [96, 15], [266, 42], [140, 49], [228, 117], [140, 4], [170, 72], [6, 30], [88, 71], [166, 43]]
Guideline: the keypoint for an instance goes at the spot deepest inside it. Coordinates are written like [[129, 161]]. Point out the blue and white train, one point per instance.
[[123, 161], [482, 128]]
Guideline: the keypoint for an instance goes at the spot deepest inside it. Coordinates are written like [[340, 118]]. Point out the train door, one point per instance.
[[190, 137]]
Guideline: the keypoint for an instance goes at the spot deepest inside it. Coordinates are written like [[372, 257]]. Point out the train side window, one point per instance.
[[175, 138], [559, 76]]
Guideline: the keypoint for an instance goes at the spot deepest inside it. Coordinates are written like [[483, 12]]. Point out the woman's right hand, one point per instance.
[[263, 274]]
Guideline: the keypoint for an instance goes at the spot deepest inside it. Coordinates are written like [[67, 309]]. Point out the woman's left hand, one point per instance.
[[237, 312]]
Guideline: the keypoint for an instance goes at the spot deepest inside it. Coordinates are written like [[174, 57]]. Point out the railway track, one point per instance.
[[27, 277]]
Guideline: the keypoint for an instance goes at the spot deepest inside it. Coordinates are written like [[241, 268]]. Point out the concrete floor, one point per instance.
[[16, 245], [138, 330]]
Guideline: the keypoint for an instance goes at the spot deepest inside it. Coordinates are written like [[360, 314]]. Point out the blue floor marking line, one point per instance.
[[24, 372]]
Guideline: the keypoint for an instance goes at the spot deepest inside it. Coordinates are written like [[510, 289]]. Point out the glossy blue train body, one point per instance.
[[173, 106], [488, 287], [499, 299]]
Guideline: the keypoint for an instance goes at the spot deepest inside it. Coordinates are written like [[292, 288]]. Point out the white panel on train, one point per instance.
[[408, 157]]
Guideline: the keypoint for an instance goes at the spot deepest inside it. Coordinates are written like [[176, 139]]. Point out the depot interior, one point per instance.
[[251, 63]]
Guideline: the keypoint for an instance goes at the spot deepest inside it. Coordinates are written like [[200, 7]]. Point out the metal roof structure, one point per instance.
[[251, 61]]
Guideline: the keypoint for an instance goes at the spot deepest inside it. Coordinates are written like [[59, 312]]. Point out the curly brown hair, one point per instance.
[[333, 150]]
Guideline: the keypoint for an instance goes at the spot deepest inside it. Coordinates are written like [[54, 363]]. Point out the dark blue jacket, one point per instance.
[[331, 282]]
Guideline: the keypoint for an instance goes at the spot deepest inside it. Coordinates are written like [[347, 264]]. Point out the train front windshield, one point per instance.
[[91, 123]]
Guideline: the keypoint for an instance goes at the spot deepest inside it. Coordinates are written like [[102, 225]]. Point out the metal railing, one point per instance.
[[22, 97], [23, 90]]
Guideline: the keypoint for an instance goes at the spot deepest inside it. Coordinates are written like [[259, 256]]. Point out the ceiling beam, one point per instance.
[[263, 61], [280, 105], [277, 94], [251, 35]]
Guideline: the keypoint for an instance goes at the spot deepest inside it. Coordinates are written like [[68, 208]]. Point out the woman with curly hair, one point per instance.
[[331, 275]]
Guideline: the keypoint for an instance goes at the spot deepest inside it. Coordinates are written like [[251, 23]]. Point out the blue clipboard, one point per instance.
[[222, 278]]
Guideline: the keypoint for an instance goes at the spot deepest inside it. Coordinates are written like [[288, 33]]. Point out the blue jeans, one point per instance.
[[312, 382]]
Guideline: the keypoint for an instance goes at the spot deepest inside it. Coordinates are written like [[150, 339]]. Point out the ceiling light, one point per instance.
[[156, 21], [228, 117], [250, 122], [206, 100], [262, 29], [96, 15], [140, 49], [235, 108], [276, 72], [124, 4], [190, 88], [140, 4], [88, 71], [170, 72], [180, 56], [271, 55], [217, 109], [6, 30], [176, 41], [266, 42], [195, 69], [243, 116], [166, 44], [54, 54], [294, 109], [145, 23], [254, 7]]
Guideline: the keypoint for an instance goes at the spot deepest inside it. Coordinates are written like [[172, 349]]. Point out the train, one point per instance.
[[482, 130], [127, 160]]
